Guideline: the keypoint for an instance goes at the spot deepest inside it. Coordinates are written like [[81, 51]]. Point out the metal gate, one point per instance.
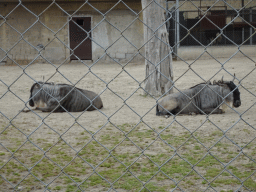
[[80, 38]]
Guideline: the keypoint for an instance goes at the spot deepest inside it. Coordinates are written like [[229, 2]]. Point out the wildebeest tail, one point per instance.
[[31, 102], [101, 106], [157, 111]]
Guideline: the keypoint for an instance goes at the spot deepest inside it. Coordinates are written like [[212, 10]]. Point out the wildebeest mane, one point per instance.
[[206, 83], [235, 90]]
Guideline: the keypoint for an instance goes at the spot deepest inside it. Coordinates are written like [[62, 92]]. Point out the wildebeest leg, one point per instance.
[[52, 105], [172, 112], [51, 108], [212, 111], [25, 110]]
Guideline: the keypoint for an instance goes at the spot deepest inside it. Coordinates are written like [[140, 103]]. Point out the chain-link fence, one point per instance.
[[99, 46]]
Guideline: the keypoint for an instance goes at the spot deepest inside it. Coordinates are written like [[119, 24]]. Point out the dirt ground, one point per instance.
[[127, 108]]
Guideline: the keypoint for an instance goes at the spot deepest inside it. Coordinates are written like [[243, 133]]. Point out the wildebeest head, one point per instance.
[[233, 88], [236, 93], [34, 92]]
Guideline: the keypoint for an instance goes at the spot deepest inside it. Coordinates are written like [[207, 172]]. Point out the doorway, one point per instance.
[[78, 27]]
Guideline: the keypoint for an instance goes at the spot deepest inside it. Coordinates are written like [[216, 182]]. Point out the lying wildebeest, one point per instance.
[[202, 98], [62, 97]]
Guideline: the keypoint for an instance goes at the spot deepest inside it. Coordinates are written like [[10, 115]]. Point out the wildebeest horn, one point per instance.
[[234, 77], [208, 82], [222, 78]]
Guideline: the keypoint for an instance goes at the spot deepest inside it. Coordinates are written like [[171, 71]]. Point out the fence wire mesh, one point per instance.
[[124, 146]]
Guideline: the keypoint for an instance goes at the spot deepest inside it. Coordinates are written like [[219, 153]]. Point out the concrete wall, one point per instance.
[[25, 29]]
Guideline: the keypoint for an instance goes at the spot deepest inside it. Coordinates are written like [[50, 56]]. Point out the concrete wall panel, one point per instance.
[[23, 26]]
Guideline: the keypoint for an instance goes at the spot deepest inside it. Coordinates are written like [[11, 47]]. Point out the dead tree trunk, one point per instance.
[[157, 51]]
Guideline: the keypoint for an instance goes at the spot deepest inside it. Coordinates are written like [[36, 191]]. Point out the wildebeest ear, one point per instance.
[[37, 86]]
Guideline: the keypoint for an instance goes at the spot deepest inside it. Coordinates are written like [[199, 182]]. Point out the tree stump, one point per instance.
[[158, 57]]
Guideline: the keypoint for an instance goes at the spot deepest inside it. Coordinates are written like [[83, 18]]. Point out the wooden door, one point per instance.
[[78, 27]]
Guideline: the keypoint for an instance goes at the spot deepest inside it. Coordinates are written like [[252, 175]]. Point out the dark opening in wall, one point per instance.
[[80, 21]]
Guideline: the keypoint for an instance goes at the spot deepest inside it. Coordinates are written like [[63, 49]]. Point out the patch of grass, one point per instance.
[[175, 140], [112, 174], [112, 139], [177, 169], [225, 174], [227, 191], [247, 131], [189, 183], [142, 134], [207, 162], [40, 140], [14, 179], [10, 166], [192, 157], [251, 166], [251, 184], [35, 158], [120, 161], [161, 127], [222, 145], [128, 182], [16, 141], [212, 172], [126, 126], [227, 181], [46, 146], [6, 132], [197, 147], [217, 133], [71, 188], [95, 180], [46, 169], [159, 159], [152, 186], [84, 138], [57, 188], [144, 95]]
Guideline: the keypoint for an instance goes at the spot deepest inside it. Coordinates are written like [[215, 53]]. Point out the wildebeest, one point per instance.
[[204, 98], [211, 35], [49, 97]]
